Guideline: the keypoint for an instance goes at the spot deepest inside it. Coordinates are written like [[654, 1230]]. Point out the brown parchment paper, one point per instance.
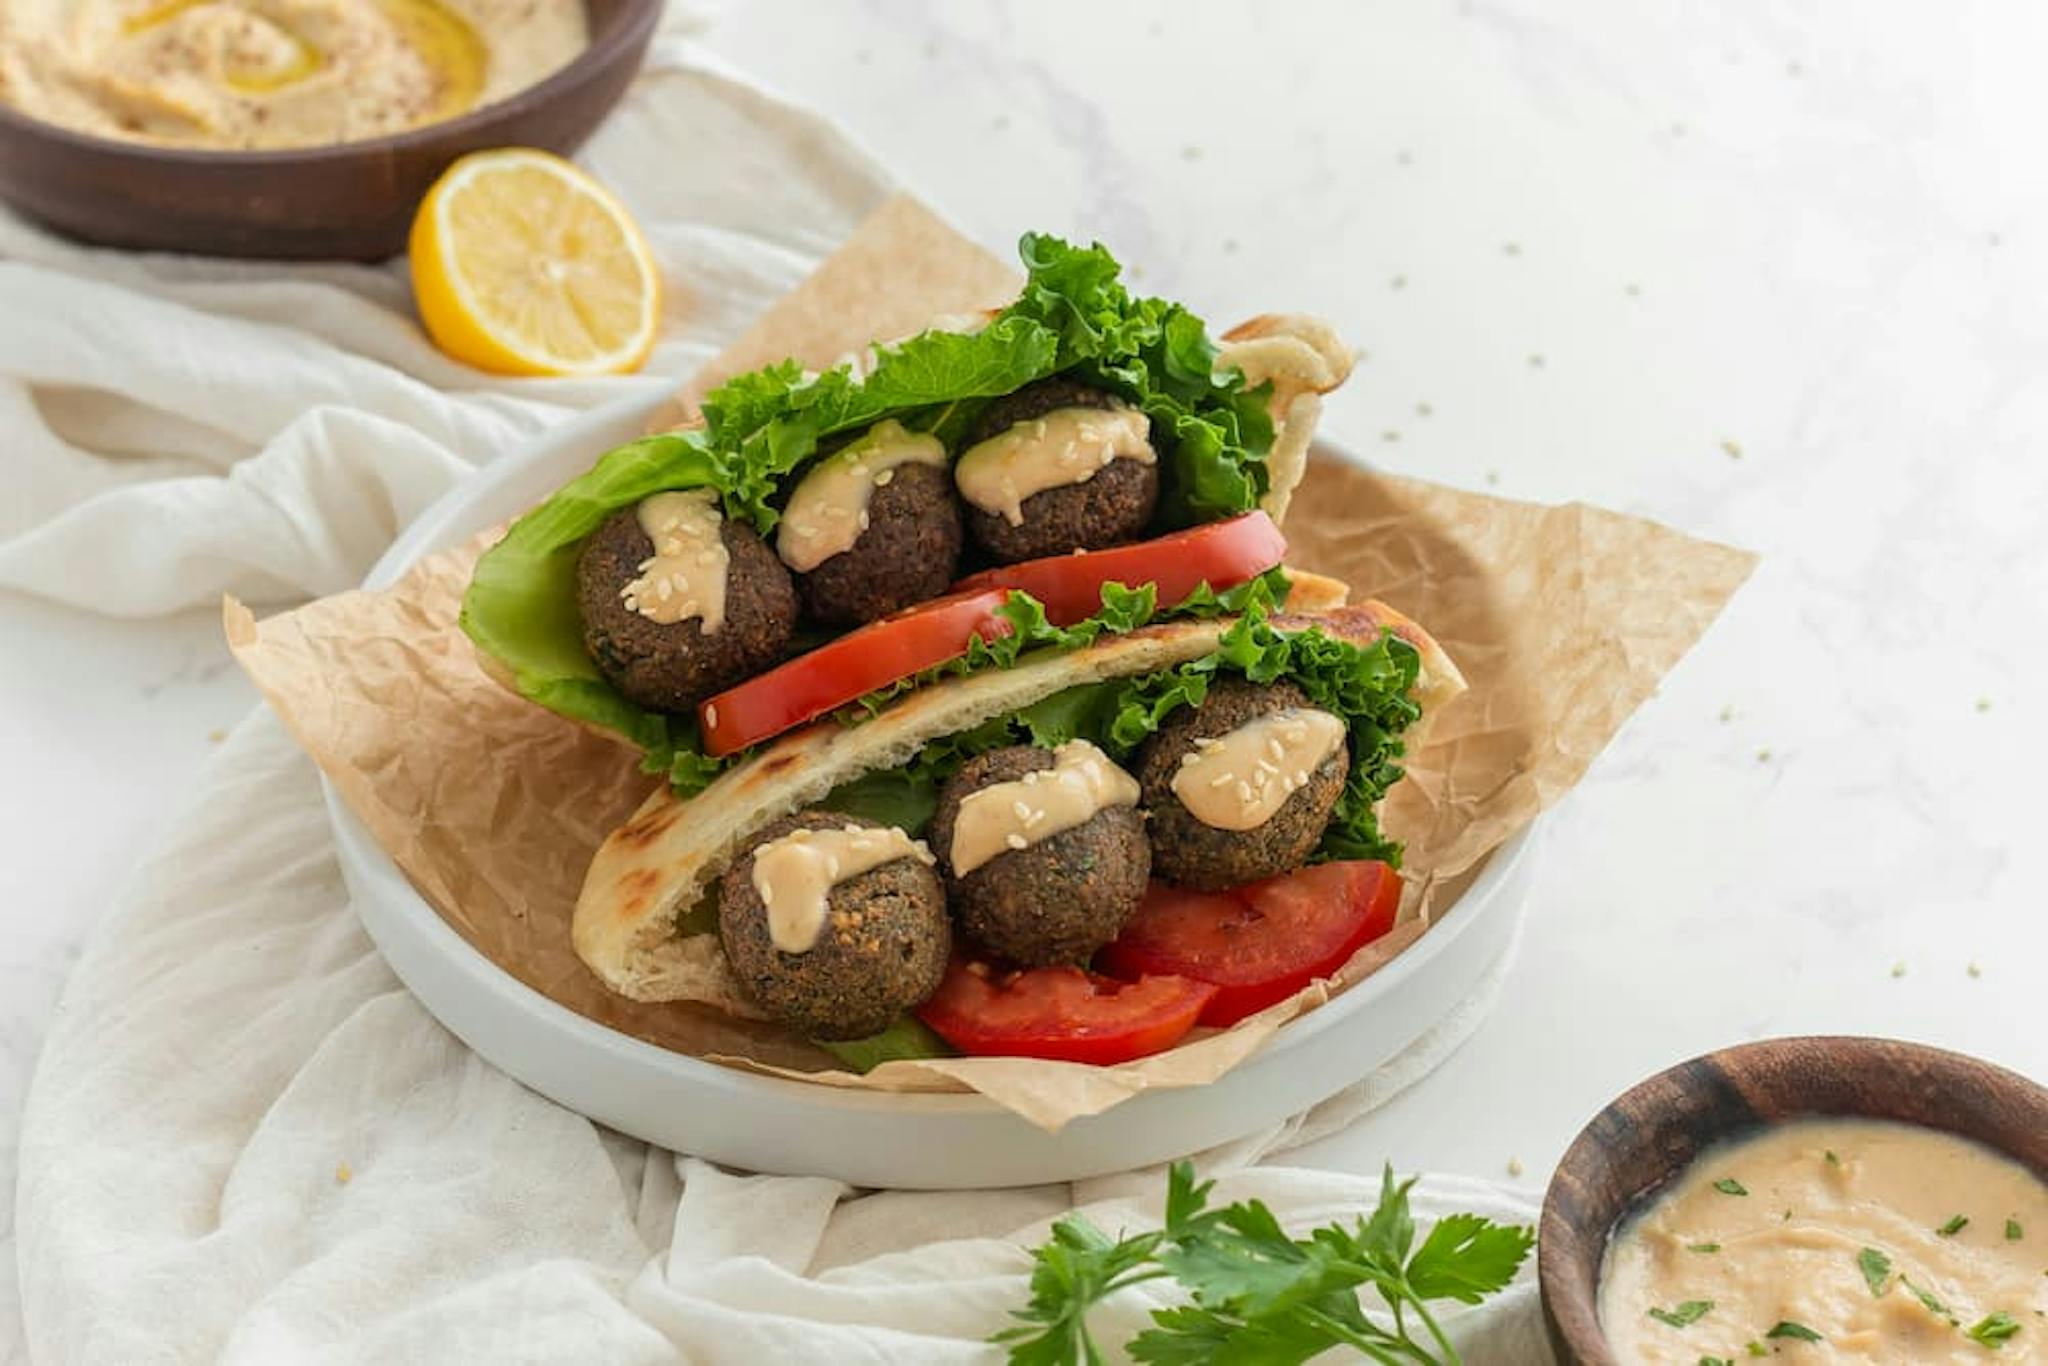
[[1563, 619]]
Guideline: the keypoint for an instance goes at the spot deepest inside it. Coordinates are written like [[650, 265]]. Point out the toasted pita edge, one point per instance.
[[664, 859]]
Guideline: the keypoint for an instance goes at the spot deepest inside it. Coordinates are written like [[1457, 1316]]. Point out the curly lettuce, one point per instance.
[[1365, 686], [1074, 316]]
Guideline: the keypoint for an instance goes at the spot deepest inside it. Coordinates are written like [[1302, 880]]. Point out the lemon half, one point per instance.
[[524, 265]]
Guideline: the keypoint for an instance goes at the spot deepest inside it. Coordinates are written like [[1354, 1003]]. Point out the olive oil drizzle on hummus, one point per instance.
[[1239, 781], [1004, 817], [794, 875], [1067, 446], [829, 509], [237, 74], [685, 577]]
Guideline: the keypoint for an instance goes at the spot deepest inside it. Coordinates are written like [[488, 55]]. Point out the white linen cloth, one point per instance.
[[245, 1141]]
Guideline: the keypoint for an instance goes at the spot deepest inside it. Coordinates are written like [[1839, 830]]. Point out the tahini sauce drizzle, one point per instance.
[[685, 577], [1240, 780], [829, 509], [794, 875], [1788, 1250], [1018, 814], [1066, 446]]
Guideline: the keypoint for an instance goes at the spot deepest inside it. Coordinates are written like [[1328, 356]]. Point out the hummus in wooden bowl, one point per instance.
[[253, 74]]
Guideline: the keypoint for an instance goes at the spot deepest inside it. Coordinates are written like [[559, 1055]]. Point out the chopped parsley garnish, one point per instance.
[[1715, 1361], [1933, 1305], [1833, 1160], [1728, 1185], [1956, 1224], [1786, 1328], [1876, 1267], [1702, 1247], [1756, 1349], [2013, 1231], [1992, 1330], [1680, 1316]]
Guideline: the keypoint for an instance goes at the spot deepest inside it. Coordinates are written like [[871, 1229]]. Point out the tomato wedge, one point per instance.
[[1221, 554], [1262, 942], [842, 670], [1061, 1013]]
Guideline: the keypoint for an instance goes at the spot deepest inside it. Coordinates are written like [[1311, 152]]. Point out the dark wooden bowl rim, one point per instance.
[[1651, 1132]]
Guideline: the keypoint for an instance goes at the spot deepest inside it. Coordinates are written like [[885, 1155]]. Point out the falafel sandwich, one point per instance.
[[989, 718]]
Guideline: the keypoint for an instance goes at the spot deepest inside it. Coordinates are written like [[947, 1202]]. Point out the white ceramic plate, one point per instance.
[[869, 1138]]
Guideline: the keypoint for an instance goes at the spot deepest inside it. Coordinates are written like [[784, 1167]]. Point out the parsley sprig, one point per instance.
[[1257, 1294]]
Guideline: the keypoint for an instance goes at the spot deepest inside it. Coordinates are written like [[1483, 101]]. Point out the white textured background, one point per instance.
[[1777, 275]]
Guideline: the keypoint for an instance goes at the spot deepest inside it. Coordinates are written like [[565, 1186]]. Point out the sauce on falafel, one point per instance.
[[794, 875], [1064, 447], [685, 576], [829, 509], [1238, 780], [1017, 814]]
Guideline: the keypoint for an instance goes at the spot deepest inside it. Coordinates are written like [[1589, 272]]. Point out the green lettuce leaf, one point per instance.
[[1073, 316], [1365, 686], [906, 1038]]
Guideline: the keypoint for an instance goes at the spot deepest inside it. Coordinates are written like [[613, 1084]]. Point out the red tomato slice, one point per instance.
[[1061, 1013], [1262, 942], [840, 671], [1221, 554]]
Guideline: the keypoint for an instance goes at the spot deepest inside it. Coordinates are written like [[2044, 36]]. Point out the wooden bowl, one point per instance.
[[352, 200], [1653, 1132]]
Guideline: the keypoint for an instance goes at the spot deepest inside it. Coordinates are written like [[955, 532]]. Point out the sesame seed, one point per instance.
[[1222, 779], [710, 714], [863, 521], [884, 477], [1015, 840], [1021, 811]]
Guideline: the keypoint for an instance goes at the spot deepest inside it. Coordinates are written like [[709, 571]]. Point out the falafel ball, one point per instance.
[[1115, 504], [1192, 854], [909, 553], [1056, 901], [882, 950], [674, 666]]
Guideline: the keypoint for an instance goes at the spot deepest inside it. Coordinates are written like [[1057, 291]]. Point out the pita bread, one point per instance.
[[661, 862]]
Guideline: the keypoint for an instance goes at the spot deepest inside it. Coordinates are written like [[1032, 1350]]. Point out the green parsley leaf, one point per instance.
[[1702, 1247], [1260, 1296], [1466, 1258], [1715, 1361], [1683, 1315], [1078, 1266], [1928, 1300], [1728, 1185], [1876, 1269], [2013, 1232], [1756, 1349], [1833, 1159], [1956, 1224], [1993, 1329], [1785, 1328]]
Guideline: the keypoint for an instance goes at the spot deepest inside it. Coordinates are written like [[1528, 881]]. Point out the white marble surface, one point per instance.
[[1772, 275]]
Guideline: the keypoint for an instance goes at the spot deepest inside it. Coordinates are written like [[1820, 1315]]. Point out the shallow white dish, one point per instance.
[[863, 1137]]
